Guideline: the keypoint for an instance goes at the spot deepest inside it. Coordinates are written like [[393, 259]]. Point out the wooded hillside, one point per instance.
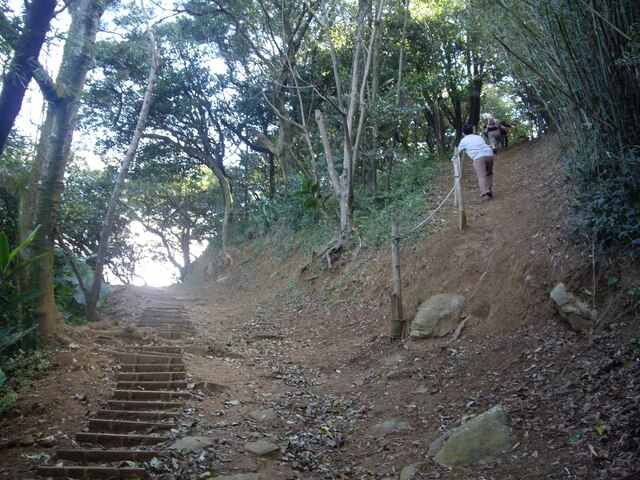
[[310, 123]]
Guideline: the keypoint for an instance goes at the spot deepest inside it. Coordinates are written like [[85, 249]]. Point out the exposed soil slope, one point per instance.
[[317, 352]]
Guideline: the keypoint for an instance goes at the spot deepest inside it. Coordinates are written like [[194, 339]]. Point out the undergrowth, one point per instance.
[[21, 370], [307, 220], [608, 195]]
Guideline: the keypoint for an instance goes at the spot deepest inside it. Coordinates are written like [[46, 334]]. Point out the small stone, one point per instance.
[[386, 427], [264, 416], [244, 476], [409, 472], [192, 444], [261, 447]]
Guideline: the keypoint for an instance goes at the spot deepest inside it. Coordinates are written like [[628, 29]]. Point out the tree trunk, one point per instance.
[[394, 136], [53, 154], [474, 100], [225, 185], [107, 225], [27, 48]]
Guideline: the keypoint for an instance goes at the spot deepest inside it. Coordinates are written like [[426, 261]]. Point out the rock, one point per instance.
[[244, 476], [572, 309], [264, 416], [192, 444], [386, 427], [409, 472], [402, 373], [261, 447], [477, 440], [392, 360], [437, 316], [210, 387]]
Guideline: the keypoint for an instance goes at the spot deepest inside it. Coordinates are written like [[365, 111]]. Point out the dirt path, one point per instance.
[[317, 358]]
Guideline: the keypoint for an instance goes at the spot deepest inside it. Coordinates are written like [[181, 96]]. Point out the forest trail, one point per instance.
[[294, 382]]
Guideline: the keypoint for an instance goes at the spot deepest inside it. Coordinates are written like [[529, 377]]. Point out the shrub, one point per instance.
[[608, 195]]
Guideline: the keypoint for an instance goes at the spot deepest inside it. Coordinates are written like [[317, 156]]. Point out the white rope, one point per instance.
[[417, 227]]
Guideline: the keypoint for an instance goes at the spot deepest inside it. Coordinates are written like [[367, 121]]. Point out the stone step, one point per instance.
[[143, 405], [150, 376], [148, 395], [118, 439], [111, 473], [161, 349], [171, 335], [150, 367], [122, 426], [168, 316], [106, 456], [151, 385], [135, 415], [162, 321], [167, 307], [136, 358]]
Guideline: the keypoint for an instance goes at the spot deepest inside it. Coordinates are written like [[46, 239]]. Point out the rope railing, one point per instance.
[[397, 323]]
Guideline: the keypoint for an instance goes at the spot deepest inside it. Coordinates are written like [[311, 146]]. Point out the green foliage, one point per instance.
[[286, 225], [608, 194], [634, 293], [305, 207], [20, 370], [407, 204], [70, 298], [308, 193], [10, 298]]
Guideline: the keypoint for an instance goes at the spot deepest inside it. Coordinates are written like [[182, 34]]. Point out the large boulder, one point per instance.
[[575, 311], [438, 316], [477, 440]]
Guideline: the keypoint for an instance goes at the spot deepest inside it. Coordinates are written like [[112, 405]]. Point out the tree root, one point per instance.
[[330, 253]]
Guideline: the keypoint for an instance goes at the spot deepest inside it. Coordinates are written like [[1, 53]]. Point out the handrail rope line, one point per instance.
[[415, 229]]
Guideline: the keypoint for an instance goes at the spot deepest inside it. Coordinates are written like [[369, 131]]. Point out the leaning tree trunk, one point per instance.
[[26, 48], [107, 225], [53, 154]]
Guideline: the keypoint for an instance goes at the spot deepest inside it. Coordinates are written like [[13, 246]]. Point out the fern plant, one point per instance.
[[10, 266]]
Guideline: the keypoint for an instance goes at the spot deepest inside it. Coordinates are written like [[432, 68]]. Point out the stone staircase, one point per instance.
[[150, 390]]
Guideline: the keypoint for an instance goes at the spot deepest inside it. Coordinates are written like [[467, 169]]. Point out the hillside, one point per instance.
[[316, 351]]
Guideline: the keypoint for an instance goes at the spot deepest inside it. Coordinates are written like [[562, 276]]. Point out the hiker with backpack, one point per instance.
[[493, 135], [504, 133]]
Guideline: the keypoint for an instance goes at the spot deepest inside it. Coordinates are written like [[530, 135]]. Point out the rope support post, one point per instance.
[[397, 323], [459, 200]]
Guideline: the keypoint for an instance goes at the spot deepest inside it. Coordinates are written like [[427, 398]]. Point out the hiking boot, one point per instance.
[[490, 194], [486, 197]]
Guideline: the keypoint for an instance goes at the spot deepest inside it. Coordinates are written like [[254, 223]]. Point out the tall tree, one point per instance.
[[343, 184], [174, 202], [107, 226], [42, 207], [188, 116], [271, 34]]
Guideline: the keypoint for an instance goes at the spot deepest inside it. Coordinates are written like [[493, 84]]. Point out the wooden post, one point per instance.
[[397, 323], [457, 171], [456, 202]]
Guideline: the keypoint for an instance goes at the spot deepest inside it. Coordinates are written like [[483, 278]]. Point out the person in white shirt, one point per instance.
[[477, 150]]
